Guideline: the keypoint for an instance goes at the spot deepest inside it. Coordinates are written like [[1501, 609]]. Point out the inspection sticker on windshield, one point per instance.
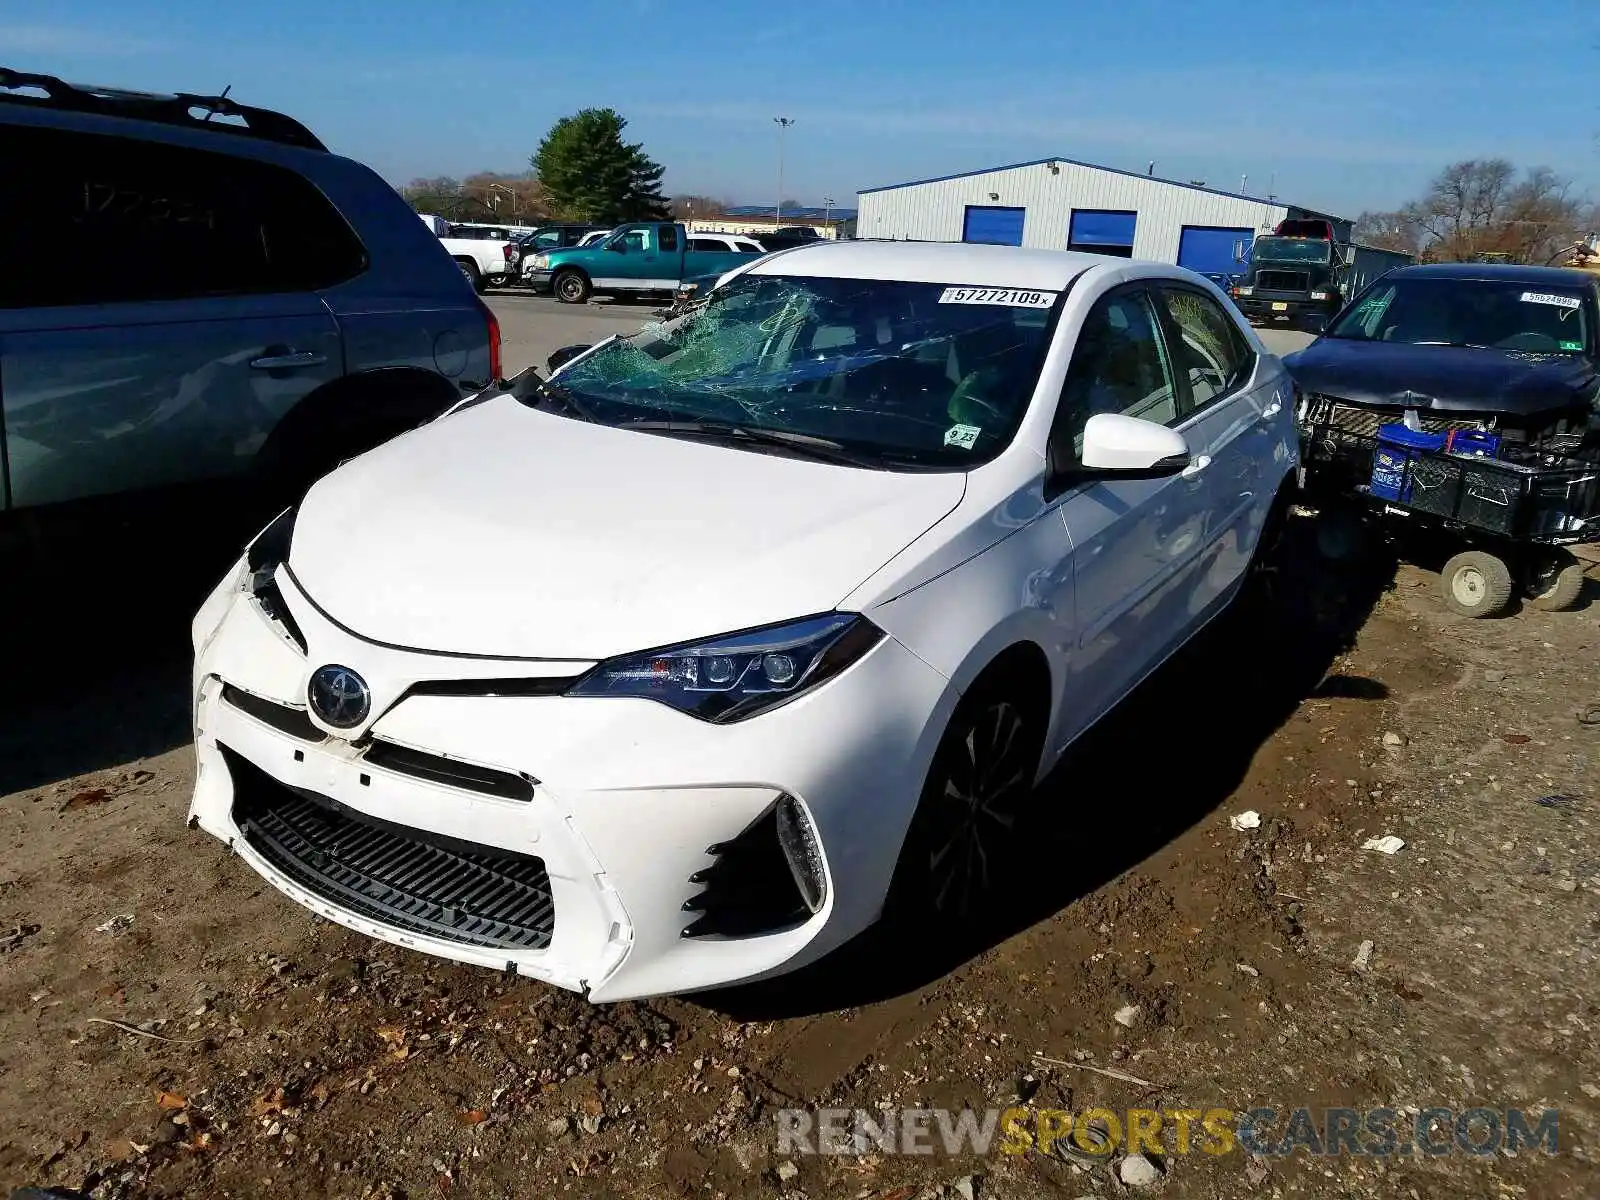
[[965, 436], [1009, 297], [1548, 298]]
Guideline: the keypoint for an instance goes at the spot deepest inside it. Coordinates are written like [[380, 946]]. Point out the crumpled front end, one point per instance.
[[614, 846]]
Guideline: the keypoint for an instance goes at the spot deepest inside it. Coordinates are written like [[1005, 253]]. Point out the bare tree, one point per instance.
[[1388, 231], [1480, 207], [487, 196]]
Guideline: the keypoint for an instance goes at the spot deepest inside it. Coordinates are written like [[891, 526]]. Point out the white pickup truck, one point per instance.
[[486, 262]]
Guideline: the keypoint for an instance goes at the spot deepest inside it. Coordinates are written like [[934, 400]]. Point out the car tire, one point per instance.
[[1476, 584], [473, 276], [571, 287], [1555, 581], [978, 785]]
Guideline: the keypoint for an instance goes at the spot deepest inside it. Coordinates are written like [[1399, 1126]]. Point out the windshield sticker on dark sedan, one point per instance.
[[1010, 297], [1550, 298]]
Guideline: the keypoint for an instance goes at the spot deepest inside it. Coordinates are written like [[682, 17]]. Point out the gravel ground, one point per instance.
[[171, 1026]]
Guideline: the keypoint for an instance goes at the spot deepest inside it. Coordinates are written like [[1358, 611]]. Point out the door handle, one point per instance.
[[288, 360], [1195, 467]]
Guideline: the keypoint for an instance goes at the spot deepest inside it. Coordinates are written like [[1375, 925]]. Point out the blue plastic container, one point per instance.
[[1396, 444], [1473, 443]]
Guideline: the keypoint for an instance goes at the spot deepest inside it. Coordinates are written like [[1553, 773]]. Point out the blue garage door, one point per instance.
[[1211, 250], [993, 226], [1102, 231]]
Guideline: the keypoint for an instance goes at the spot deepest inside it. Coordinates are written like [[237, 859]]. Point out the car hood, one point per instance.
[[1446, 378], [503, 531]]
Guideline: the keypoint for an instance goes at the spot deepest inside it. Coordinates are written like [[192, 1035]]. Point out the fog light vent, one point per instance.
[[768, 878], [798, 838]]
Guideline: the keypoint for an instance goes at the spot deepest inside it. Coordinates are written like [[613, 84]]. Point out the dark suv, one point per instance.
[[556, 237], [192, 289]]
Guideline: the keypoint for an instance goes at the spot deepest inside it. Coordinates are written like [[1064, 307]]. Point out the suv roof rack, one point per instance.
[[182, 109]]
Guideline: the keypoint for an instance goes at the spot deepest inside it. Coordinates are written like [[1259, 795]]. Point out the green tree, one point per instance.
[[590, 174]]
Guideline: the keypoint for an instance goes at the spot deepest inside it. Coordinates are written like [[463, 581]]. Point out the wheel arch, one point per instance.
[[1013, 657], [349, 415]]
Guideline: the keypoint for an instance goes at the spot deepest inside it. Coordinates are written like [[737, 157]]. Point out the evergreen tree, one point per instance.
[[590, 174]]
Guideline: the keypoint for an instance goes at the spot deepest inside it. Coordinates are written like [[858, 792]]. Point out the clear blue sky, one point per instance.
[[1348, 105]]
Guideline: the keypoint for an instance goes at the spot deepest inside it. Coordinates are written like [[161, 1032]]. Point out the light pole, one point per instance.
[[783, 124], [827, 210]]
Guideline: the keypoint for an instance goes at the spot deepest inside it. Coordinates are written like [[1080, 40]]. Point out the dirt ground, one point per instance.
[[169, 1025]]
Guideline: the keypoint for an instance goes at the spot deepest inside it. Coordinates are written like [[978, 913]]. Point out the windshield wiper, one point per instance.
[[821, 448], [1454, 345]]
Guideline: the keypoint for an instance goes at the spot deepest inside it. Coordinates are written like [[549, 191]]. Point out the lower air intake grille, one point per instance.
[[398, 876]]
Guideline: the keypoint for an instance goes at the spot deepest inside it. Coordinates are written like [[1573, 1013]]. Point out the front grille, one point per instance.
[[1283, 281], [435, 768], [1364, 422], [401, 877], [292, 721]]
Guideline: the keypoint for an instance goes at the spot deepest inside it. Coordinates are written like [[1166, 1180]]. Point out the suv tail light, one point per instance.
[[509, 251], [494, 342]]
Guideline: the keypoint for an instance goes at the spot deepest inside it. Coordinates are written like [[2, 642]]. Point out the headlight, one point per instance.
[[1244, 291], [730, 678], [541, 262]]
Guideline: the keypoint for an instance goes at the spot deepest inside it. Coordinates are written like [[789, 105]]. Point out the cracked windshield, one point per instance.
[[897, 374]]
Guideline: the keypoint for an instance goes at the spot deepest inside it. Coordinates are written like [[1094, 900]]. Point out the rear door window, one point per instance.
[[669, 238], [116, 220]]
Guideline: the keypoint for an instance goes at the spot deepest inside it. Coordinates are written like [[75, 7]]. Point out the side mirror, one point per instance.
[[564, 355], [1349, 256], [1129, 447]]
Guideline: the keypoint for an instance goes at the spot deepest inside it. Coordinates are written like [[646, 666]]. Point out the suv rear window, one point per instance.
[[118, 219]]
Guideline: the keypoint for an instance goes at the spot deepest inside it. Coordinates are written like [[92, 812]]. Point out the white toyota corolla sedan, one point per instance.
[[674, 669]]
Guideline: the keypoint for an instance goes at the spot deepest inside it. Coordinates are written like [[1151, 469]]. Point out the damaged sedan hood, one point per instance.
[[509, 532], [1513, 383]]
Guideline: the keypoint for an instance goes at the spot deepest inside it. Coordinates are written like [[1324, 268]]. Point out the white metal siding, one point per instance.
[[932, 212]]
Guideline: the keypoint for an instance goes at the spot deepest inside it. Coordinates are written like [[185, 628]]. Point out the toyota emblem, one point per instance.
[[339, 696]]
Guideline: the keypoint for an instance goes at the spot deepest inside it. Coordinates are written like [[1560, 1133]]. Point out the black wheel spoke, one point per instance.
[[973, 812]]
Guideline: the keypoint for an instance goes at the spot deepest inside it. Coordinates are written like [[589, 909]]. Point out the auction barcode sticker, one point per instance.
[[1009, 297], [1549, 298]]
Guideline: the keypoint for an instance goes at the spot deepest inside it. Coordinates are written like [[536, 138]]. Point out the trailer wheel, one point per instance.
[[1555, 581], [1476, 584]]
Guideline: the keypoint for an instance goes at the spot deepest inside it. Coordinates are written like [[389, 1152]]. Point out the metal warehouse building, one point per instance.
[[1060, 204]]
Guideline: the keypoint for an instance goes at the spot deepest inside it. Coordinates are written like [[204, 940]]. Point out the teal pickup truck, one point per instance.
[[640, 258]]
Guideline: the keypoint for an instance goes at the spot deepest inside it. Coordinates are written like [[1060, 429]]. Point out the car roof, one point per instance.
[[941, 262], [1491, 272]]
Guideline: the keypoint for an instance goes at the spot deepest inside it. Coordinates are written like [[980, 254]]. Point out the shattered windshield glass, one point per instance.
[[898, 374]]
